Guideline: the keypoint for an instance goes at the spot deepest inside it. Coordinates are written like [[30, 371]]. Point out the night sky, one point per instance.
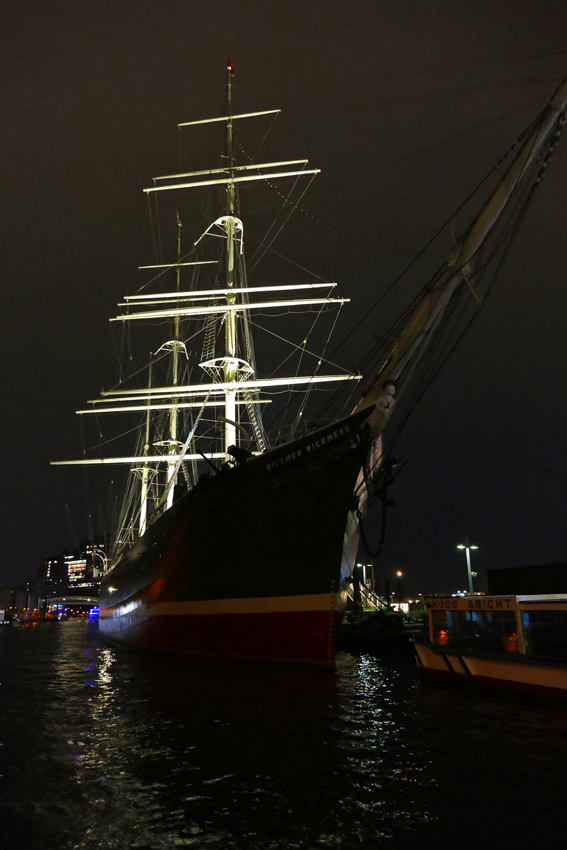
[[405, 106]]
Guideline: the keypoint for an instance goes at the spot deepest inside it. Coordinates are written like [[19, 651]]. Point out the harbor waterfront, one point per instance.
[[106, 747]]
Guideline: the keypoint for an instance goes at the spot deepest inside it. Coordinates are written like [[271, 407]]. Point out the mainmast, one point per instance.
[[230, 361]]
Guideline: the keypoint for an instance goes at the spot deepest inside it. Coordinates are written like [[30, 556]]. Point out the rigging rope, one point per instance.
[[523, 135], [506, 239]]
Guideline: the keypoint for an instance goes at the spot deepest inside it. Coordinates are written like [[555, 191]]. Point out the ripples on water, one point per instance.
[[114, 749]]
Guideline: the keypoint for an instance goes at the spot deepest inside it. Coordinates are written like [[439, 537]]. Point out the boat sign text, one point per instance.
[[475, 603]]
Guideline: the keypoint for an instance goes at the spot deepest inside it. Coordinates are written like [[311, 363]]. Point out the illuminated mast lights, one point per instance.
[[176, 347], [230, 363], [231, 374], [230, 222]]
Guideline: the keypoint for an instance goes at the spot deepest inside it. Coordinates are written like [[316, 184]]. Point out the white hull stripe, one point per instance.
[[258, 605]]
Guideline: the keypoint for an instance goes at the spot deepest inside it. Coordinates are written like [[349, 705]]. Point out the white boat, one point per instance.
[[517, 643]]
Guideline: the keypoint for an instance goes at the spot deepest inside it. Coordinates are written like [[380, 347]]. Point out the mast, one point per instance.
[[230, 362], [145, 468], [176, 345]]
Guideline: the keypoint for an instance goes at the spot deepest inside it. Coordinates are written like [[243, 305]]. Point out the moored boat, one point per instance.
[[517, 643]]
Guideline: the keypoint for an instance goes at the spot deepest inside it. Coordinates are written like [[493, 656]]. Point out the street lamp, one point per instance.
[[468, 548], [400, 586]]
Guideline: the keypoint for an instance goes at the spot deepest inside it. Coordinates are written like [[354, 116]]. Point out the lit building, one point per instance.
[[67, 572], [76, 569]]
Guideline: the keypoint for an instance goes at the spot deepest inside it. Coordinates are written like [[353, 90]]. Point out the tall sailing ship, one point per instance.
[[247, 550]]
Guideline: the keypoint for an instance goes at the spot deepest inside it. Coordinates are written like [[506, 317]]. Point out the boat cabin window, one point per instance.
[[484, 630], [546, 633]]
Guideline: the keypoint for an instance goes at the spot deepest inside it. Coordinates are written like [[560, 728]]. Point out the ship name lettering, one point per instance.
[[281, 460], [327, 439]]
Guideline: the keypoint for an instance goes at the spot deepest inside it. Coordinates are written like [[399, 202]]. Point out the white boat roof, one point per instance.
[[543, 597]]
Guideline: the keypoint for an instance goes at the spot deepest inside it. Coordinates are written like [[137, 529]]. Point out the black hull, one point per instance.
[[256, 549]]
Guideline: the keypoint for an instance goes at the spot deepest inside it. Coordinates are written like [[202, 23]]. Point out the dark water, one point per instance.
[[105, 748]]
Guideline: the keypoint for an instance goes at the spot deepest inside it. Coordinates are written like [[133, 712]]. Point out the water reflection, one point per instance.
[[115, 749]]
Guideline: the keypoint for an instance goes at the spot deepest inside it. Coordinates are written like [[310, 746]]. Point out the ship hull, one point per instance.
[[246, 565], [294, 636]]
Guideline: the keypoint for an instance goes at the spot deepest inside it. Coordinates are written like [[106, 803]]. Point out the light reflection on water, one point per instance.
[[108, 748]]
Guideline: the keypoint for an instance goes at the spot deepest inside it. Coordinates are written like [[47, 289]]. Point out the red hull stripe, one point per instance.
[[259, 605], [302, 637]]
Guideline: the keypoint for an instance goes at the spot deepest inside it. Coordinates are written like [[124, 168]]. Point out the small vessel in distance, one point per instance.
[[517, 643], [246, 550]]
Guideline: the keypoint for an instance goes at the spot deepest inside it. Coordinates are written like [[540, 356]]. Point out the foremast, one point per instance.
[[146, 469]]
